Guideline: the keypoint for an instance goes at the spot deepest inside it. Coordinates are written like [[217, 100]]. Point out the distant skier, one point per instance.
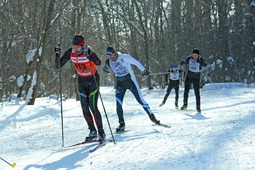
[[174, 82], [120, 64], [85, 60], [194, 64]]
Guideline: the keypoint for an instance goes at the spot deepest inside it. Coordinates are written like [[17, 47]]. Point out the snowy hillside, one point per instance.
[[222, 138]]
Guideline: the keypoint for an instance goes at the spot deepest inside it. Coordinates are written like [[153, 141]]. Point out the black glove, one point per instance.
[[57, 49], [87, 51], [182, 62], [106, 69], [201, 62], [57, 57], [145, 72]]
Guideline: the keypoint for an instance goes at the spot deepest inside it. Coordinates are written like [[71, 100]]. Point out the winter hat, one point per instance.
[[195, 51], [174, 66], [78, 40], [109, 50]]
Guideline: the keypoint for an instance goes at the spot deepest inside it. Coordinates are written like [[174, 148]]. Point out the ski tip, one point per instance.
[[120, 132], [163, 125], [101, 144]]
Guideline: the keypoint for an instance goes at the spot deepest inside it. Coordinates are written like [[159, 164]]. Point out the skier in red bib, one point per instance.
[[85, 62]]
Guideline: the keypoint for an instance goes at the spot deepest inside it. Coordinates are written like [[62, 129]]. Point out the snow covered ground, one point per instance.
[[222, 138]]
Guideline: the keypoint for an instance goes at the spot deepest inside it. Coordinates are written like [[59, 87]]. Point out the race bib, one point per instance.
[[119, 69], [193, 65], [174, 75]]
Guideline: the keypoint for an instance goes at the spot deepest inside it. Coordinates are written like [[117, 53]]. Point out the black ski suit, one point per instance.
[[88, 85], [173, 84], [192, 76]]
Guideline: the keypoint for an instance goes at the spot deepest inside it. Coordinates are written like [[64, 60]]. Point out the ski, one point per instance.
[[78, 144], [98, 146], [120, 132], [81, 143], [162, 125]]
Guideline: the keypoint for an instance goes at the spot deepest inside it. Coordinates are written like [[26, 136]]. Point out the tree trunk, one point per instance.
[[43, 42]]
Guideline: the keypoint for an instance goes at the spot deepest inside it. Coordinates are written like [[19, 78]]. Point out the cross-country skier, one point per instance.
[[85, 62], [174, 76], [120, 64], [194, 64]]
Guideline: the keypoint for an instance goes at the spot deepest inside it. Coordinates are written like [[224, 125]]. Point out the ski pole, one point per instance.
[[57, 52], [207, 76], [211, 81], [106, 116], [151, 74], [102, 104], [13, 165]]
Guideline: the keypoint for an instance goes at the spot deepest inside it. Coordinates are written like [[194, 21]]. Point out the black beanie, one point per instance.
[[78, 40], [195, 51]]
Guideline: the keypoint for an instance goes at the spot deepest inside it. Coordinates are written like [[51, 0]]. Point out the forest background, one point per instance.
[[158, 33]]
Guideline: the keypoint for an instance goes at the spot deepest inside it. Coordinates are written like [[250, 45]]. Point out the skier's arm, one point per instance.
[[201, 61], [135, 62], [107, 67], [92, 56], [63, 59], [185, 61], [167, 76]]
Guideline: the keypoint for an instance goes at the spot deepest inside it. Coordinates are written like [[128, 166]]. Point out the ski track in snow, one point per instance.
[[222, 137]]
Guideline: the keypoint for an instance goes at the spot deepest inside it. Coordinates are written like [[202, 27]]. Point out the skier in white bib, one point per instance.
[[120, 64], [174, 82], [194, 63]]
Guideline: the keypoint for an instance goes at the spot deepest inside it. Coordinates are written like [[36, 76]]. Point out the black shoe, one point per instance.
[[162, 104], [176, 105], [121, 127], [92, 136], [101, 137], [184, 107], [198, 110], [153, 119]]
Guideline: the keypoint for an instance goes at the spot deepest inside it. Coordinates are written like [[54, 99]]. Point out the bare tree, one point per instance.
[[156, 32]]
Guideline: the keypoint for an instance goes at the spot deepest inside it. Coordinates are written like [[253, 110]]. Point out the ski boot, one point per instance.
[[92, 136], [176, 105], [121, 127], [198, 110], [162, 104], [184, 107], [153, 119], [101, 137]]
